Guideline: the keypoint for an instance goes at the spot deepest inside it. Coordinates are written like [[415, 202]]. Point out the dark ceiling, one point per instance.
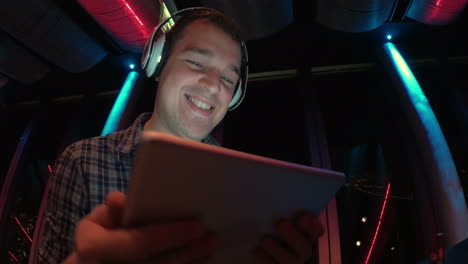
[[349, 105], [302, 43]]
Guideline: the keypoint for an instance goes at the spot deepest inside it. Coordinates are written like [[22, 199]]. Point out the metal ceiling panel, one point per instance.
[[43, 28], [18, 63], [353, 15], [257, 19]]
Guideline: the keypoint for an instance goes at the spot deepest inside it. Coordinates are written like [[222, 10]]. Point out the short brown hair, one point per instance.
[[225, 23]]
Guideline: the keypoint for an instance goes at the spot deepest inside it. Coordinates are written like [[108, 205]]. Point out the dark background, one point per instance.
[[361, 111]]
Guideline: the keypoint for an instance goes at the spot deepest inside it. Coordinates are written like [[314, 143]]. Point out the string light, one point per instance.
[[363, 187]]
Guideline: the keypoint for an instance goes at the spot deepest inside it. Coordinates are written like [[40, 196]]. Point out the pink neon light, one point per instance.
[[24, 231], [13, 256], [131, 10], [378, 225], [50, 168]]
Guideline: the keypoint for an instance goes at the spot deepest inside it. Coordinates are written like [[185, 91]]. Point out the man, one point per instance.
[[195, 88]]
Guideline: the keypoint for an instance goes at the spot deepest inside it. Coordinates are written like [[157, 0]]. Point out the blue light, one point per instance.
[[120, 103], [389, 37], [132, 66], [435, 152], [411, 84]]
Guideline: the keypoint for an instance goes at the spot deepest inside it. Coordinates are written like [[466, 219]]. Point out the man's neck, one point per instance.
[[152, 125]]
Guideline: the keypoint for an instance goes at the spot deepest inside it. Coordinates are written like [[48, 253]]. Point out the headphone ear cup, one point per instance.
[[146, 50], [241, 87], [236, 97], [154, 56]]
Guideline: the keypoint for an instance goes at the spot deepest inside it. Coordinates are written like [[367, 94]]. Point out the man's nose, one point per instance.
[[211, 81]]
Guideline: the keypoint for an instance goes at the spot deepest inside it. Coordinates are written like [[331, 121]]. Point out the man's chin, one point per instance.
[[197, 135]]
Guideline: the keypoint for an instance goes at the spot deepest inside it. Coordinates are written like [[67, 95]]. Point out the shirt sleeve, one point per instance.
[[66, 205]]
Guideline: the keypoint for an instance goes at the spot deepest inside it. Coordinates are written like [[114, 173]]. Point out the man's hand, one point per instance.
[[99, 239], [296, 241]]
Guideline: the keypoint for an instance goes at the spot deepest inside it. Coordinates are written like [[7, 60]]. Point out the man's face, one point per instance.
[[197, 81]]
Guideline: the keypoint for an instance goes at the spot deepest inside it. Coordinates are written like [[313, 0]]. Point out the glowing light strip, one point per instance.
[[452, 210], [131, 10], [13, 256], [22, 228], [50, 168], [378, 225], [120, 104], [407, 78]]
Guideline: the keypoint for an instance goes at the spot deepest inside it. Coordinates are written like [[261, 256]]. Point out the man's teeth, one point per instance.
[[199, 103]]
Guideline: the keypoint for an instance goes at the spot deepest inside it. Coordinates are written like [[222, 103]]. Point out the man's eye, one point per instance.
[[228, 80], [194, 63]]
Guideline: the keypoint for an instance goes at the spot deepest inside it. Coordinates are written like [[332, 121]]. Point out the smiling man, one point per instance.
[[198, 81]]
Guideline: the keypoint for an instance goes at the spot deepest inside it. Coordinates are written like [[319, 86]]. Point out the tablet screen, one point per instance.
[[235, 194]]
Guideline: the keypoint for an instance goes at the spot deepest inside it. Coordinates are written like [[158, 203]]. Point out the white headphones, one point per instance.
[[156, 50]]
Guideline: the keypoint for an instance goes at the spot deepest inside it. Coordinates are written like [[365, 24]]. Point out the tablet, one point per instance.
[[235, 194]]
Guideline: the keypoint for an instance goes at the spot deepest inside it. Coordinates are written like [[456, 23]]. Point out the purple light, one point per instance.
[[133, 13], [378, 225], [13, 256], [22, 228]]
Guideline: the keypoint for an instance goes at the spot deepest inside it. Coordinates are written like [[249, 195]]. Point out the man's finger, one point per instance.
[[109, 214], [102, 216], [310, 225], [135, 243], [300, 244], [278, 252], [262, 258], [192, 253], [116, 199], [116, 202]]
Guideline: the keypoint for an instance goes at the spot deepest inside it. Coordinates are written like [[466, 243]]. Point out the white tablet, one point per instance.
[[235, 194]]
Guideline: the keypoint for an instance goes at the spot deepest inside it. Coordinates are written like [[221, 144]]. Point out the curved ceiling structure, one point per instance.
[[18, 63], [355, 15], [257, 19], [46, 30], [128, 22], [42, 33], [436, 12]]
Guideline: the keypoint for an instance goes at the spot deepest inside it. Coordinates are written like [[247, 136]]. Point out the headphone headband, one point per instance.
[[156, 51]]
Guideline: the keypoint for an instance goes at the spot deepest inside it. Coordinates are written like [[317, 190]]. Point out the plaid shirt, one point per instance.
[[84, 174]]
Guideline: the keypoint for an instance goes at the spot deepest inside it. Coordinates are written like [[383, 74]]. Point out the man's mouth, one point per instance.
[[199, 103]]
